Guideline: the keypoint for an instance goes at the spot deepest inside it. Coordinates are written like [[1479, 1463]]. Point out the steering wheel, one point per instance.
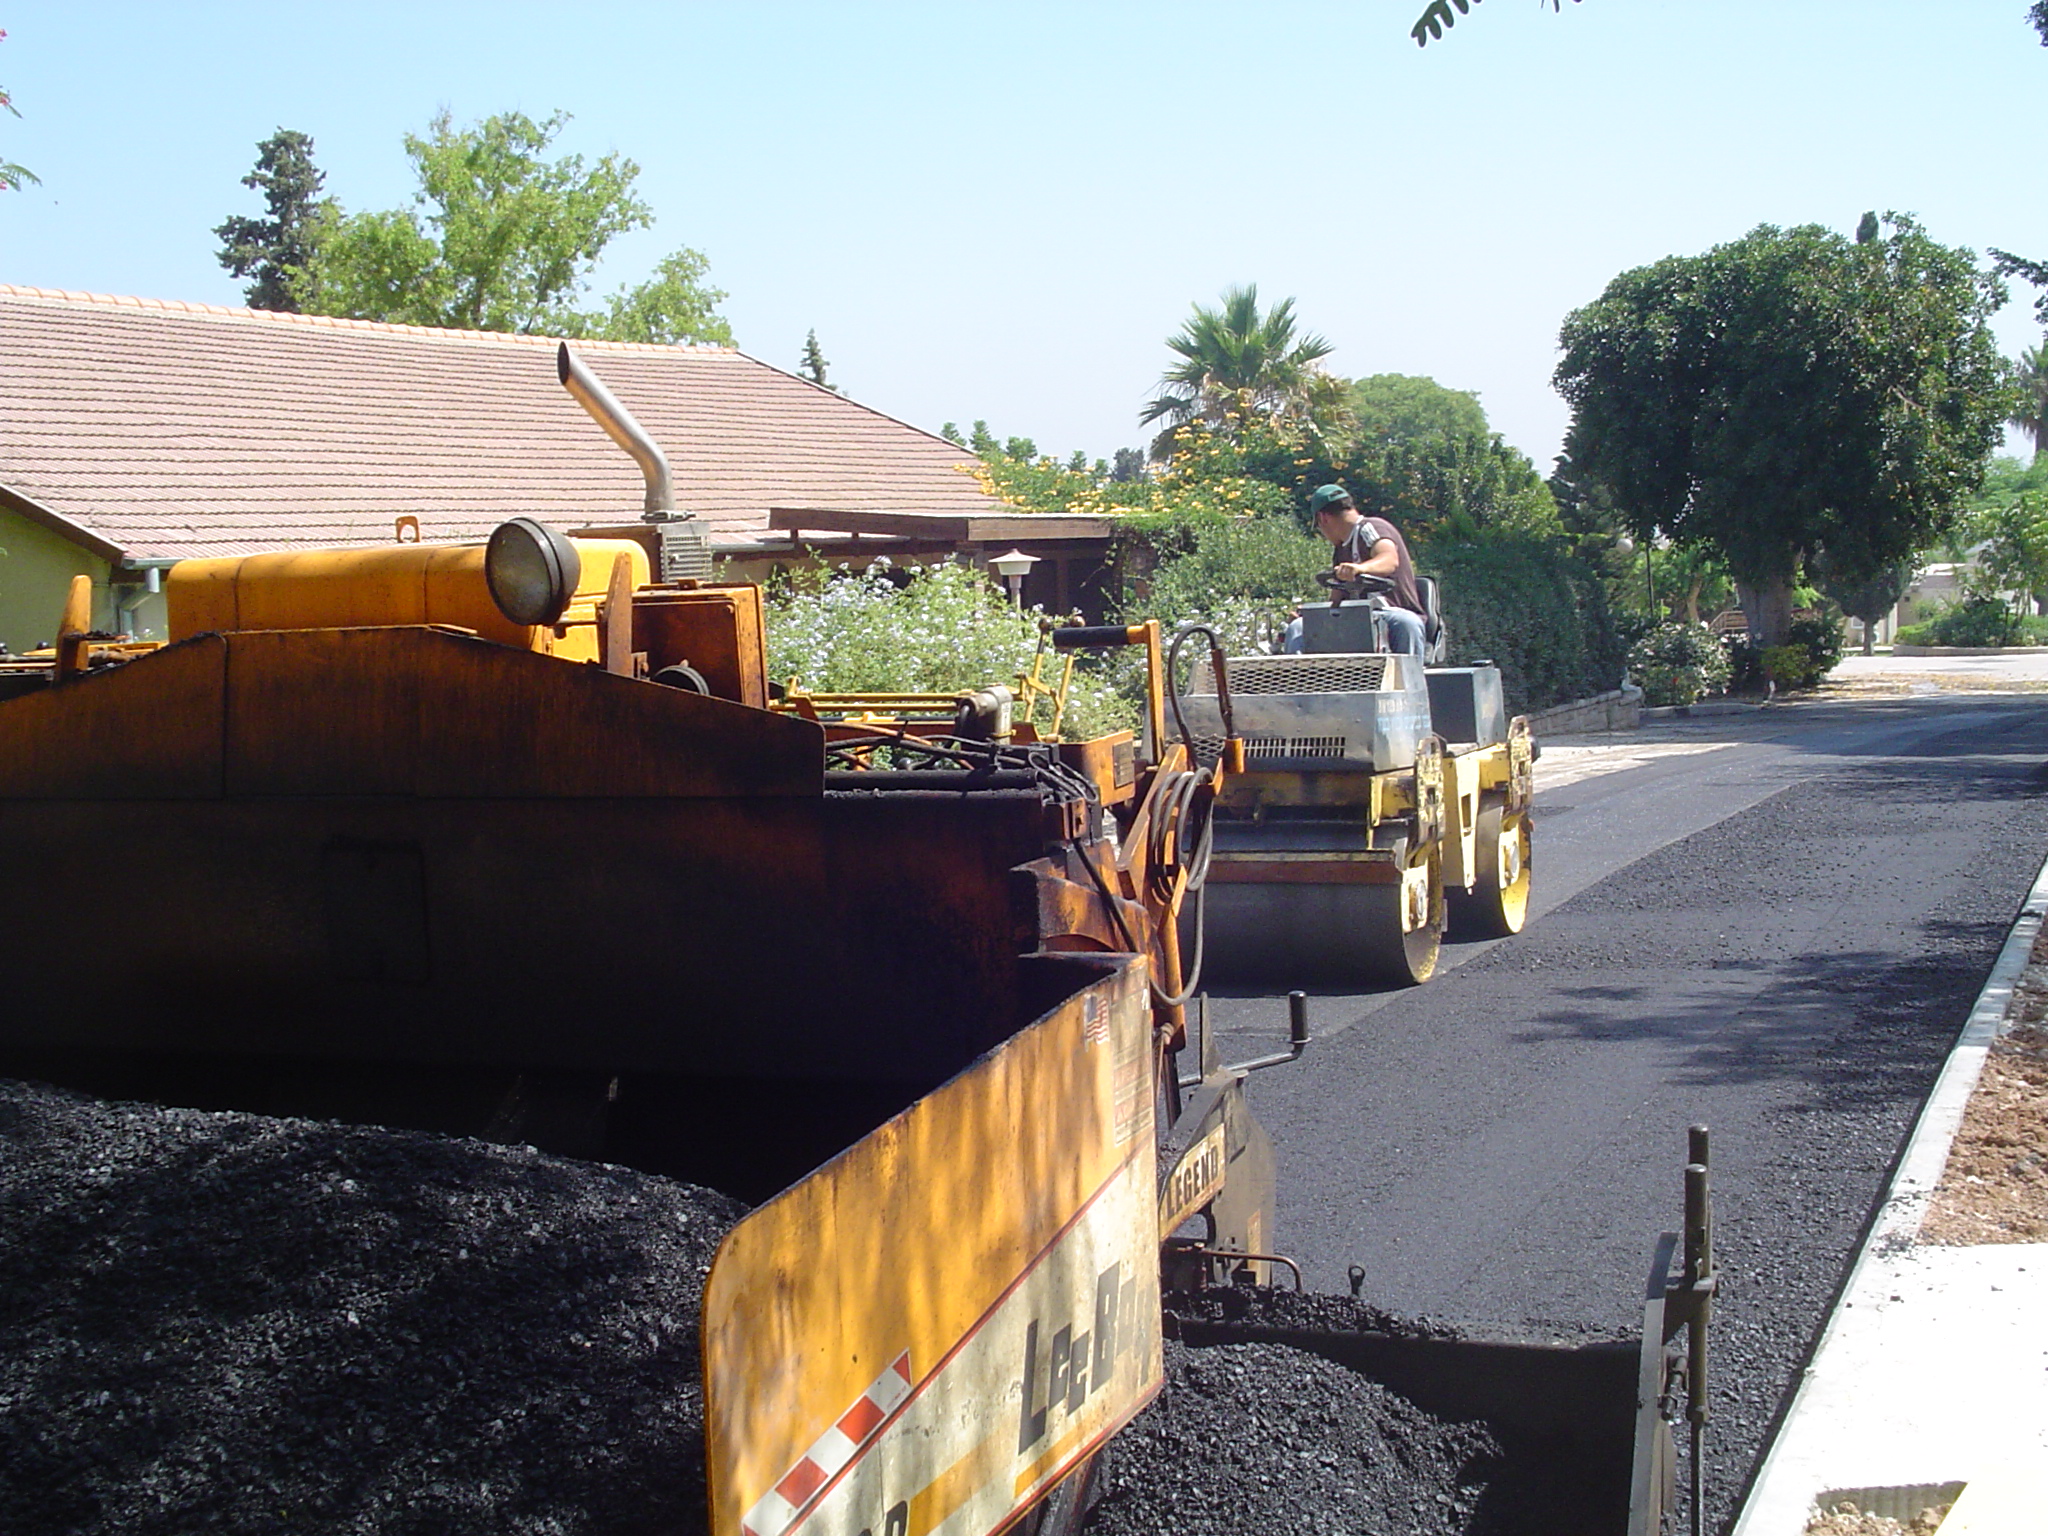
[[1354, 584]]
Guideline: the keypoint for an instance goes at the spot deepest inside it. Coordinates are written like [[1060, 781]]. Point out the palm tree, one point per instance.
[[2032, 416], [1237, 364]]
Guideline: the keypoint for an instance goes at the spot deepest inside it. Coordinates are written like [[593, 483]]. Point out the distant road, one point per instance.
[[1773, 923]]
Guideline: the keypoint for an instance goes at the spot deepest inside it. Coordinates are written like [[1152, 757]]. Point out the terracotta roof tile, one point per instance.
[[169, 429]]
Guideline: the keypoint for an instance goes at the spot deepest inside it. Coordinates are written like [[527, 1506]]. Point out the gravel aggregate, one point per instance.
[[1249, 1438], [1280, 1307], [224, 1322]]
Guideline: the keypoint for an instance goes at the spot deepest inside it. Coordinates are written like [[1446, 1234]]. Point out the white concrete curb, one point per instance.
[[1969, 650], [1814, 1438]]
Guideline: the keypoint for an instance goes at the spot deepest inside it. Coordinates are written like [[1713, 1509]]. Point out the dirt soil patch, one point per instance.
[[1848, 1520], [1882, 685], [1995, 1187]]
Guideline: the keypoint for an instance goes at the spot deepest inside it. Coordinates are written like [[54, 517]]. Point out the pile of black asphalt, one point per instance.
[[1280, 1307], [229, 1322], [1263, 1437], [224, 1322]]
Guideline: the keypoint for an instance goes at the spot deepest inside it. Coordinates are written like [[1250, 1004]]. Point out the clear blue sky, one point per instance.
[[1001, 211]]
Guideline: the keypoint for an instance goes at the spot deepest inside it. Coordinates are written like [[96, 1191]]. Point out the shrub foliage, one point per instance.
[[1535, 610], [1679, 663], [922, 629], [1975, 621]]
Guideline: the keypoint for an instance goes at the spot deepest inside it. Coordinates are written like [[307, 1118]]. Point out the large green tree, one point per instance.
[[503, 237], [1424, 455], [2036, 272], [1868, 596], [1239, 366], [1456, 485], [1788, 394], [2013, 545], [1401, 407], [276, 251]]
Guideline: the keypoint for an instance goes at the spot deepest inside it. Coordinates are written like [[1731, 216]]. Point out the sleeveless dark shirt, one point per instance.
[[1357, 549]]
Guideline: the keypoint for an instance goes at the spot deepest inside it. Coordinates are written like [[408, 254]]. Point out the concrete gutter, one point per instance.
[[1706, 708], [1932, 1373]]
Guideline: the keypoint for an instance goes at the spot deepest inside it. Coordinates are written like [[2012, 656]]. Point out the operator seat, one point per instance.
[[1436, 644]]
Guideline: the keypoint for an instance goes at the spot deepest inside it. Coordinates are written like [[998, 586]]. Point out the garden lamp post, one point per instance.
[[1013, 568]]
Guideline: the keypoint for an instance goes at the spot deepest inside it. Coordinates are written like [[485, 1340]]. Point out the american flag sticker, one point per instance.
[[1094, 1020]]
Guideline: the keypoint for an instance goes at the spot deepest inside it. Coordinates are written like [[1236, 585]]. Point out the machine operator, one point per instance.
[[1369, 546]]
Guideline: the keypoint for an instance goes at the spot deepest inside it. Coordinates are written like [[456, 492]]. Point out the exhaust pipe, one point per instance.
[[620, 427], [676, 545]]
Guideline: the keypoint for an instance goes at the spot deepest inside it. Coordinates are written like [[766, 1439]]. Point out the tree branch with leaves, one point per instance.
[[1436, 18], [502, 237], [13, 177]]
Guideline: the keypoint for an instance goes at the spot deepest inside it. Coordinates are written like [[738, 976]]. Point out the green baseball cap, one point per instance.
[[1326, 497]]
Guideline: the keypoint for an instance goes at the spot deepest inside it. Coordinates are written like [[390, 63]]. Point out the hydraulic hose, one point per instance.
[[1176, 809]]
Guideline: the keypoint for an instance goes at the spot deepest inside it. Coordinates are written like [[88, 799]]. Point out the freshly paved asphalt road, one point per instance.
[[1772, 923]]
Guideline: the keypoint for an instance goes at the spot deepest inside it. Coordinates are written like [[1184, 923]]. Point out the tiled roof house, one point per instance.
[[134, 433]]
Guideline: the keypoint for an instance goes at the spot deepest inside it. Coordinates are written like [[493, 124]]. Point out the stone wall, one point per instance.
[[1621, 710]]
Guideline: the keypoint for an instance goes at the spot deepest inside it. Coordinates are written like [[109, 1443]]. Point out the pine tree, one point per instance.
[[814, 365], [273, 250]]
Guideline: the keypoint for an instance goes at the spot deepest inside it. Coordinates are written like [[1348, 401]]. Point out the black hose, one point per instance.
[[1179, 797], [1197, 882]]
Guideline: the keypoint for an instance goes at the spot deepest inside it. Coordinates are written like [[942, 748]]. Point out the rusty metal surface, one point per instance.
[[81, 741], [717, 630], [389, 711], [775, 936], [406, 845]]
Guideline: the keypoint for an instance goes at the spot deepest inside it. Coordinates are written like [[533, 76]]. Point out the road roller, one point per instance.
[[1381, 800], [515, 839]]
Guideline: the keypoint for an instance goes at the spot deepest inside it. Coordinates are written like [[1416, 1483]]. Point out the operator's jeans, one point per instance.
[[1405, 635]]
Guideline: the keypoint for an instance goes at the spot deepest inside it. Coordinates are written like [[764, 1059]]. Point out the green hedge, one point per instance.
[[1536, 611], [1976, 621]]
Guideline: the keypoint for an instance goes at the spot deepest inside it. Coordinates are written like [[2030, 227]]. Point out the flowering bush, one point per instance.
[[1241, 576], [1213, 482], [926, 629], [1677, 663]]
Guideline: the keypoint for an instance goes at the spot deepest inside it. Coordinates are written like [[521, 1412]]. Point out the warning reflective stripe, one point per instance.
[[770, 1517], [831, 1451], [1067, 1355]]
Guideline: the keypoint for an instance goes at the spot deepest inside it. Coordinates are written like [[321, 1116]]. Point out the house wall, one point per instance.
[[36, 567]]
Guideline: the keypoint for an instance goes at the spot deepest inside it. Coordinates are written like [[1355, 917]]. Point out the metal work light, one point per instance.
[[1013, 568], [532, 571]]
